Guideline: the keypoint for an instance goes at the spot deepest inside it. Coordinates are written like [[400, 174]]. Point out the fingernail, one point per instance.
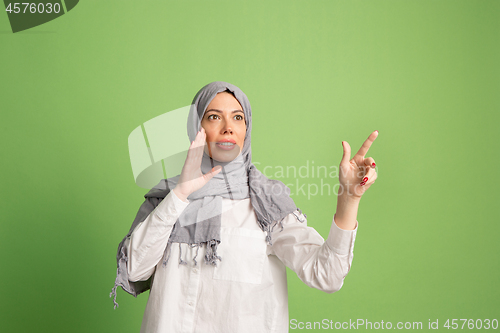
[[376, 131], [365, 179], [362, 183], [373, 165]]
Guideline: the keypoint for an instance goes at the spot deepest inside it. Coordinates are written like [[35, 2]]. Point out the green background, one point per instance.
[[425, 74]]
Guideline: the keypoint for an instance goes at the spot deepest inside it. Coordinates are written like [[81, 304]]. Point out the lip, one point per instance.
[[227, 140], [226, 144]]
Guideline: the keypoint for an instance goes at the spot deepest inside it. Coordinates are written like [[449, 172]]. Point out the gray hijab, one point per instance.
[[200, 222]]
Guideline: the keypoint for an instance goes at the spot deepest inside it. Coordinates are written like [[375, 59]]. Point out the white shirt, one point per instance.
[[247, 290]]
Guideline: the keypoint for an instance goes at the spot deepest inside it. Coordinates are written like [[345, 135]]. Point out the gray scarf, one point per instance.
[[200, 222]]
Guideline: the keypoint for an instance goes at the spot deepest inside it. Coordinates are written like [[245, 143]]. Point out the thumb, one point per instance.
[[347, 153], [215, 170]]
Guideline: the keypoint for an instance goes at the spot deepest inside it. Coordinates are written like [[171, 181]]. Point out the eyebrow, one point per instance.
[[216, 110]]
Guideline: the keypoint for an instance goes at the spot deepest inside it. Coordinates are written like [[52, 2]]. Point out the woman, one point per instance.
[[244, 226]]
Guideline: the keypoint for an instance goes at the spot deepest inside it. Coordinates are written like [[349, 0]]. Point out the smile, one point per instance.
[[225, 145]]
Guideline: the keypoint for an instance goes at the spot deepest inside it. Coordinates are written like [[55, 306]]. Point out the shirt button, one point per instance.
[[195, 270], [190, 303]]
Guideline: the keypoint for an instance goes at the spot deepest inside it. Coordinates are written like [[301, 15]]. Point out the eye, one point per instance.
[[238, 117], [212, 116]]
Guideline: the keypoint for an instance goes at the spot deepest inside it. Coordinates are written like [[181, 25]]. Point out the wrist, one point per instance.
[[348, 198], [347, 211], [179, 194]]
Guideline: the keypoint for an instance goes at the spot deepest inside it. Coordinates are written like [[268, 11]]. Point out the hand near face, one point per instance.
[[222, 136], [191, 178], [357, 174]]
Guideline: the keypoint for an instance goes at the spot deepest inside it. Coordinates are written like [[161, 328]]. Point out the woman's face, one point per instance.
[[224, 123]]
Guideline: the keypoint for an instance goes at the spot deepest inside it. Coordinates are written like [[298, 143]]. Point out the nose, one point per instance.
[[226, 128]]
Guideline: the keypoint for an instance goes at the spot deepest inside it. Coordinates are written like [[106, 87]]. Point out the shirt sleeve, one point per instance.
[[146, 244], [318, 263]]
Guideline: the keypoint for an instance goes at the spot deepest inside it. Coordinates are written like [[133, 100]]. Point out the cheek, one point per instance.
[[241, 136], [209, 132], [211, 136]]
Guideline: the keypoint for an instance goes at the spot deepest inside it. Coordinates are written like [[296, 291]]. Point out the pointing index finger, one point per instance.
[[367, 144]]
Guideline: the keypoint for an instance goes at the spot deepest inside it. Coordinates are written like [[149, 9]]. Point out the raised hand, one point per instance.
[[192, 179], [357, 174]]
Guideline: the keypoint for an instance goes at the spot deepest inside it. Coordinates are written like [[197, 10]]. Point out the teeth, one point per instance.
[[226, 143]]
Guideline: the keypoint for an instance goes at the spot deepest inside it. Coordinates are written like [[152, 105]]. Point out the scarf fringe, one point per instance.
[[166, 255], [269, 228], [197, 249], [113, 291], [211, 256], [123, 258], [298, 215], [181, 262]]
